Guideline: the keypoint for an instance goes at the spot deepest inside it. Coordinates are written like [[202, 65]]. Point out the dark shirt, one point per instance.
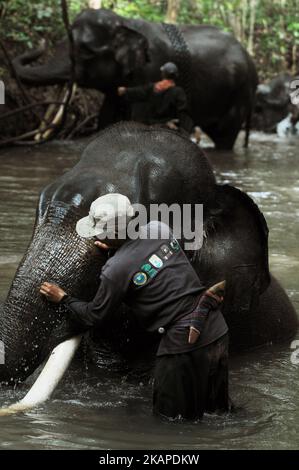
[[175, 339], [154, 278], [164, 105]]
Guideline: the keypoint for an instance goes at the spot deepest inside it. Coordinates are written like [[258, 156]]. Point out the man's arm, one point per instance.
[[210, 300], [87, 314], [134, 94]]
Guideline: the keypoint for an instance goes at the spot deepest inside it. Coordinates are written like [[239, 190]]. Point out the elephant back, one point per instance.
[[149, 165]]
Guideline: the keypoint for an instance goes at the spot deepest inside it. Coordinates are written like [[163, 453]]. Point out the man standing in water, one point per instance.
[[165, 102], [153, 276]]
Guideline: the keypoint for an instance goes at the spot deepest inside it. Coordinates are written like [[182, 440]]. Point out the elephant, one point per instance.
[[139, 162], [217, 73], [273, 104]]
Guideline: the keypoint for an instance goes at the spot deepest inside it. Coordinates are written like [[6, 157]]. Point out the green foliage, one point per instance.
[[27, 21], [147, 9], [275, 42]]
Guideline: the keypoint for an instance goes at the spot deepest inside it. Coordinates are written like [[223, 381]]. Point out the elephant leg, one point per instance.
[[225, 132], [113, 110]]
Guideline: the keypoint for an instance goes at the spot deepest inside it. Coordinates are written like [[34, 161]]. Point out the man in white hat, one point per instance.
[[108, 219], [153, 276]]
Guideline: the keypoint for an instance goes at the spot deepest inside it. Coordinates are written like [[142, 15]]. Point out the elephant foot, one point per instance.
[[223, 140]]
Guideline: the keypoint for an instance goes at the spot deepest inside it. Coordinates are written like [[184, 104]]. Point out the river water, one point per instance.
[[92, 411]]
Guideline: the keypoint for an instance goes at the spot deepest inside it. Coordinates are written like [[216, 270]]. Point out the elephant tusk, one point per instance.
[[53, 371], [55, 117]]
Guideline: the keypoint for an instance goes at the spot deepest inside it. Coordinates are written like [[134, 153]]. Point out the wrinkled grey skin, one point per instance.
[[148, 166], [112, 51], [273, 104]]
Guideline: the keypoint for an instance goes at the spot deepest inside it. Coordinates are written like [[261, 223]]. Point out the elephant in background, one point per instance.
[[139, 162], [273, 104], [216, 72]]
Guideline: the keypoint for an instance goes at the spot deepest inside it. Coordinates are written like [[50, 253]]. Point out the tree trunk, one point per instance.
[[244, 19], [95, 4], [173, 8], [252, 6]]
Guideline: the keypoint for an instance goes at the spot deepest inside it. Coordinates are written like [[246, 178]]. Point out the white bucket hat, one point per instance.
[[108, 216]]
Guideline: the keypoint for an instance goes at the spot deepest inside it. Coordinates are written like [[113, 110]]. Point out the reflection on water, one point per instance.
[[94, 411]]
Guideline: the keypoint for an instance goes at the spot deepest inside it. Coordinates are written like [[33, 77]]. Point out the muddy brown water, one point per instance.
[[98, 411]]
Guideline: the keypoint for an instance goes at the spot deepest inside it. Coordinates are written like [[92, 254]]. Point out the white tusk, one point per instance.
[[47, 381]]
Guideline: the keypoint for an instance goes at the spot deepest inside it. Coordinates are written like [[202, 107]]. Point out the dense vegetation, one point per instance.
[[268, 28]]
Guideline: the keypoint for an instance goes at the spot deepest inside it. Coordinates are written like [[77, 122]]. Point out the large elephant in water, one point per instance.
[[149, 166], [216, 72]]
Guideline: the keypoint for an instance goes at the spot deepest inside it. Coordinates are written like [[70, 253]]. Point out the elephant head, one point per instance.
[[272, 102], [55, 252], [108, 46], [107, 49]]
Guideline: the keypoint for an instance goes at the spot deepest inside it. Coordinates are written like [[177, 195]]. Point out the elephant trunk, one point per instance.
[[30, 325], [56, 71]]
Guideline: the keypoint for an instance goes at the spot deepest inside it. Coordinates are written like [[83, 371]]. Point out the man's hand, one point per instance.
[[218, 290], [121, 91], [52, 292], [101, 245], [172, 124]]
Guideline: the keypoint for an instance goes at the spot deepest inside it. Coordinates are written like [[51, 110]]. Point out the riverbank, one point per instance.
[[83, 108]]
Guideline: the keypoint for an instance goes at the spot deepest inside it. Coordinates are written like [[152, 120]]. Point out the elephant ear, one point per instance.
[[131, 49], [235, 248]]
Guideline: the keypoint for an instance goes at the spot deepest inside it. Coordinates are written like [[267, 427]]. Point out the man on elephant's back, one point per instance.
[[153, 276], [166, 102]]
